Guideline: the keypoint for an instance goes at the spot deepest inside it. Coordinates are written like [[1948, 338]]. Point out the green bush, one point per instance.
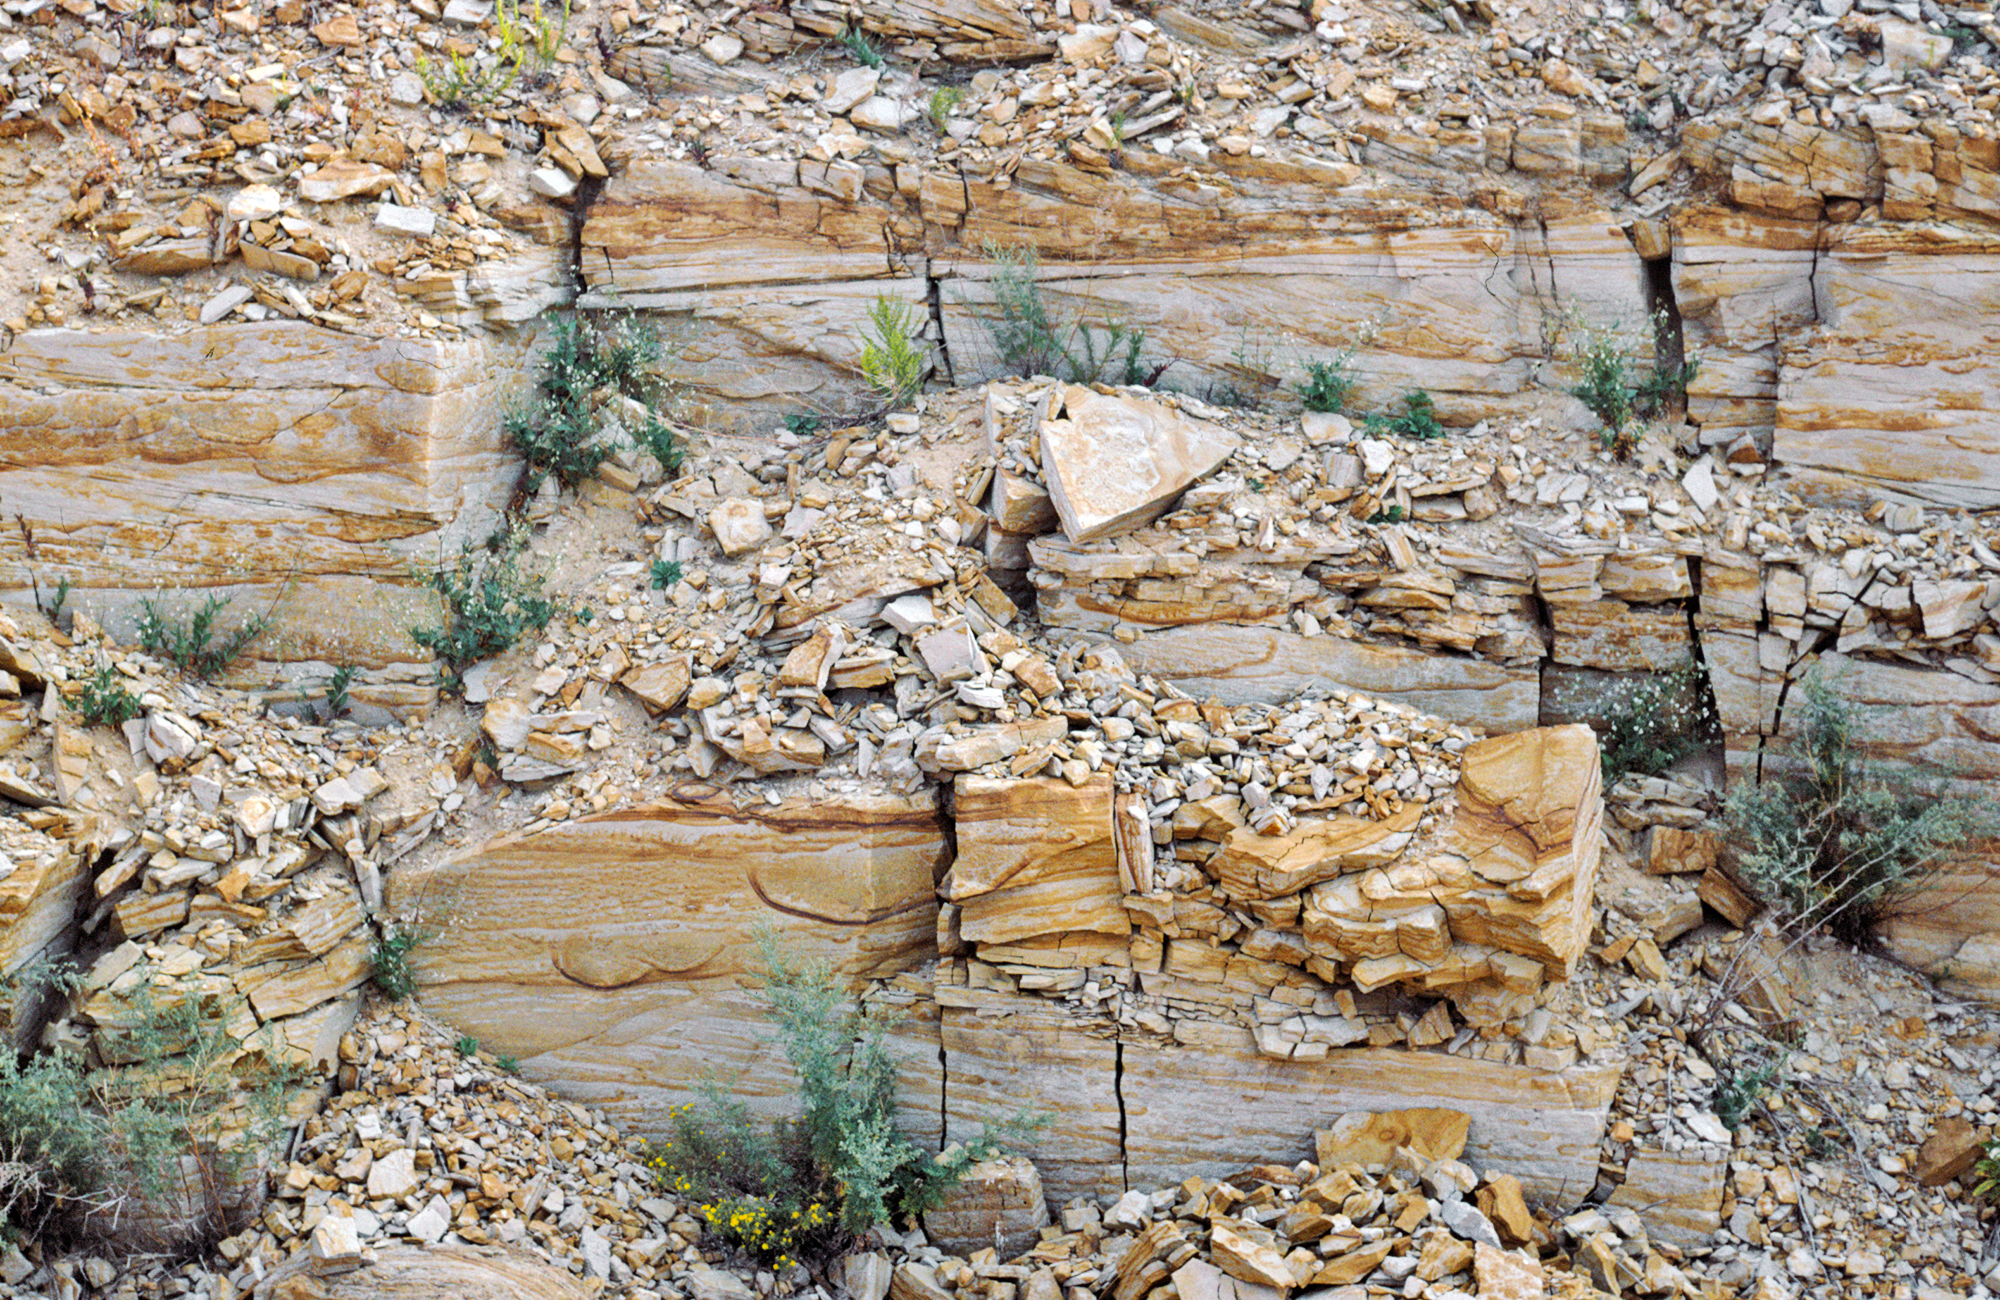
[[556, 431], [664, 573], [390, 962], [180, 1116], [1418, 419], [804, 1189], [1652, 722], [1328, 383], [893, 357], [1837, 840], [490, 604], [1030, 341], [336, 698], [1986, 1173], [1739, 1090], [104, 701], [861, 48], [944, 101], [193, 646], [1605, 383]]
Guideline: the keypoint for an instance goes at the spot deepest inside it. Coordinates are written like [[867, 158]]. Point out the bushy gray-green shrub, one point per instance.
[[1837, 840], [802, 1190]]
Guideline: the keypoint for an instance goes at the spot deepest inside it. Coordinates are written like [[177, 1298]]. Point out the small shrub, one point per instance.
[[193, 646], [507, 1064], [1737, 1092], [53, 611], [1387, 515], [556, 431], [467, 1045], [861, 48], [803, 425], [390, 962], [1652, 722], [104, 701], [1328, 383], [655, 435], [893, 359], [1986, 1173], [490, 604], [805, 1189], [1837, 840], [664, 573], [943, 102], [458, 82], [337, 685], [1418, 419], [534, 31], [1606, 386], [1030, 341]]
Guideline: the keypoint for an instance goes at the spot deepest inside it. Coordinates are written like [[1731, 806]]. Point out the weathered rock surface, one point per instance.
[[294, 466], [642, 924]]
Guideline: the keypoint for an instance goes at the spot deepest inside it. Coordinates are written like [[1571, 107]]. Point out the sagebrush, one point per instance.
[[803, 1190], [1835, 839], [173, 1116]]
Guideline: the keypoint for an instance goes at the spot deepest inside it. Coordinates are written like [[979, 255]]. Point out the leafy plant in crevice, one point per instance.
[[1652, 721], [556, 429], [1029, 340], [1328, 382], [103, 699], [1986, 1171], [195, 644], [893, 356], [862, 49], [1606, 382], [1739, 1089], [802, 1190], [467, 1045], [490, 603], [335, 697], [1417, 420], [1838, 840], [663, 574], [389, 961]]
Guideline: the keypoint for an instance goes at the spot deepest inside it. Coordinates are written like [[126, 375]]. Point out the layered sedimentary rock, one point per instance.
[[1082, 975], [302, 470], [617, 953]]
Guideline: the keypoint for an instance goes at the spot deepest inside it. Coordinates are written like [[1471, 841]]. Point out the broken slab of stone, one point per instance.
[[999, 1203], [1372, 1137], [1116, 462], [1678, 1193], [1035, 856], [432, 1272]]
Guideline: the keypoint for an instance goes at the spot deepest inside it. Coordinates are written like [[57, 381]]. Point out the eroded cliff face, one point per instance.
[[308, 475]]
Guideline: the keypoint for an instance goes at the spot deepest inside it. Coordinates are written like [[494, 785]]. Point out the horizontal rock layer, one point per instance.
[[303, 470]]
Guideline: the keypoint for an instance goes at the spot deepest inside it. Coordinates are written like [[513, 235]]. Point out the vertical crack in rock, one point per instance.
[[934, 298], [1118, 1092], [586, 197]]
